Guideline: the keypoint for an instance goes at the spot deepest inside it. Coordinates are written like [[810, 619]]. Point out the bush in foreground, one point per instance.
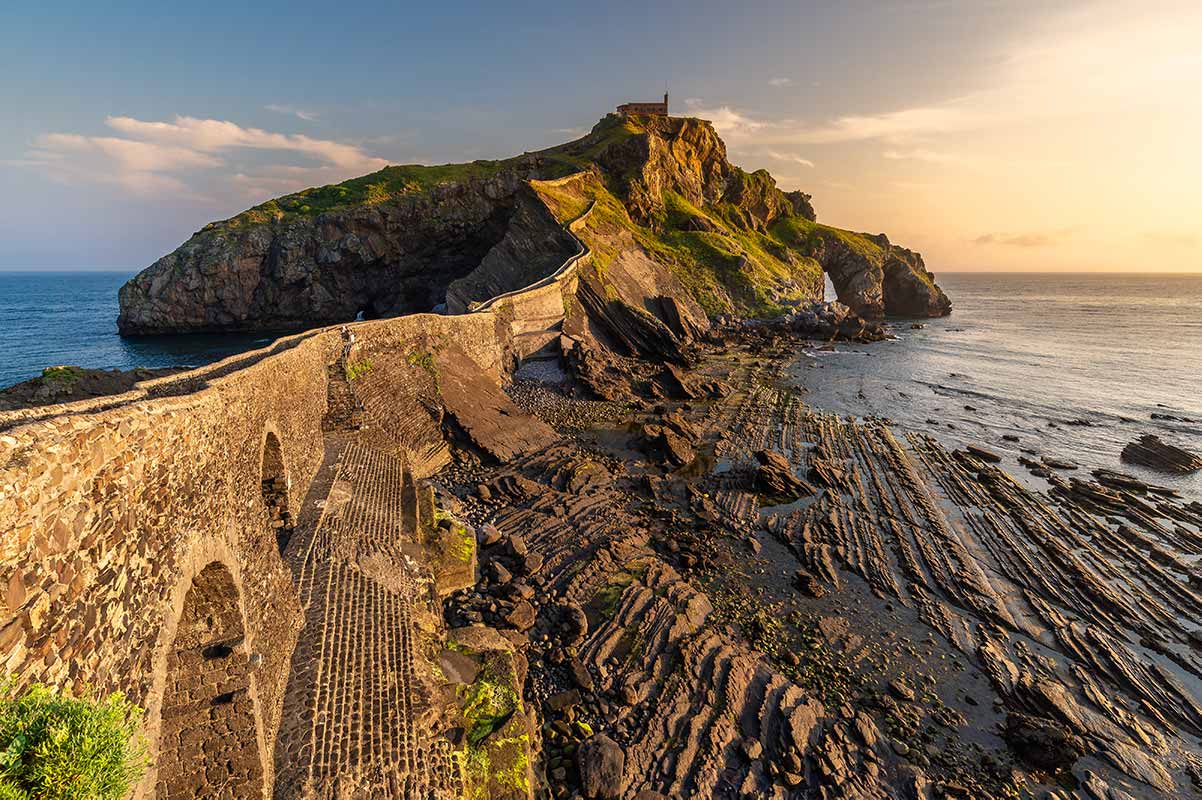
[[57, 747]]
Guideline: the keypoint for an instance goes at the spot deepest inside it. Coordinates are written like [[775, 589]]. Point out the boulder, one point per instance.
[[774, 477], [602, 767], [1042, 742], [522, 616], [983, 454]]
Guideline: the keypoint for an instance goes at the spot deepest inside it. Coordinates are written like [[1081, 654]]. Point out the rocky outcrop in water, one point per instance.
[[833, 320], [1149, 451], [877, 278]]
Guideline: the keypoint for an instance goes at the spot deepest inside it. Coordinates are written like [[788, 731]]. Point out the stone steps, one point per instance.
[[352, 709], [343, 410]]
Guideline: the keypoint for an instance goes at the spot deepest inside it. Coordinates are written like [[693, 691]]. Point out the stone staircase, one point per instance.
[[343, 410], [351, 724]]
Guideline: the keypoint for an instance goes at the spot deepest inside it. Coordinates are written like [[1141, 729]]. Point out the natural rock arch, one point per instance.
[[208, 741], [274, 486]]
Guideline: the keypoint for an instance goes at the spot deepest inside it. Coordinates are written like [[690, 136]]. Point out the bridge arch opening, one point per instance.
[[208, 745], [274, 485]]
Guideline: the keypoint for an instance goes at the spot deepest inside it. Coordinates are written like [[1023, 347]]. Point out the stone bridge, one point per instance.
[[186, 543]]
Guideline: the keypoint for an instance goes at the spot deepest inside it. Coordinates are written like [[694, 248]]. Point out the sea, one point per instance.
[[52, 318], [1073, 365]]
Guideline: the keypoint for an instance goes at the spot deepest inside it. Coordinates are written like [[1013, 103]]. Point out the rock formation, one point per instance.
[[409, 238], [1149, 451], [280, 266], [876, 278]]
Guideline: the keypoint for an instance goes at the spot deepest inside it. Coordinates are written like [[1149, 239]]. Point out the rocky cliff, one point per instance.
[[408, 238], [286, 264]]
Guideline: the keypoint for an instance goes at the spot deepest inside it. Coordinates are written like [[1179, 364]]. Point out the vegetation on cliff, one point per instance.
[[384, 186], [665, 186]]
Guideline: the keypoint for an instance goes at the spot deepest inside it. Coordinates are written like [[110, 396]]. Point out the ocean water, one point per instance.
[[1029, 354], [49, 318]]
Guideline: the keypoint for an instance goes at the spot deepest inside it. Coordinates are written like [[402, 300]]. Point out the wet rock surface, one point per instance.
[[903, 620]]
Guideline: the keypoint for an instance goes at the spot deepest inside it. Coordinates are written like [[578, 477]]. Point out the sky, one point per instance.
[[1007, 135]]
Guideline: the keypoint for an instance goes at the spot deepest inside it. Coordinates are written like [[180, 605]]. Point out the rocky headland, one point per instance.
[[412, 238]]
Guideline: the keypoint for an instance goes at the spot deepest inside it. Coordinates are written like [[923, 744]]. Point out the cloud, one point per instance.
[[921, 154], [732, 125], [299, 113], [570, 131], [779, 81], [177, 156], [1041, 239], [891, 125], [791, 157], [212, 135], [129, 154]]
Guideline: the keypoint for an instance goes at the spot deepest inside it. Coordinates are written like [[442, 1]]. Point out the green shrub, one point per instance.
[[64, 375], [358, 370], [57, 747]]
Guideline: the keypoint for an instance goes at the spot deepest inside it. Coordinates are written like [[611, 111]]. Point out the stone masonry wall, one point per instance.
[[111, 508]]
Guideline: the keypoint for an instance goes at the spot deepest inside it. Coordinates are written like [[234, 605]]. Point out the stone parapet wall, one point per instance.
[[110, 508]]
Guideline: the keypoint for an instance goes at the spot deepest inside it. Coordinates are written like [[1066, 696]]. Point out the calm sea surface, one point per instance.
[[1026, 355], [49, 318]]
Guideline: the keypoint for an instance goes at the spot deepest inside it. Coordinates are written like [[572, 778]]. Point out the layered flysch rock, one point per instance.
[[409, 238]]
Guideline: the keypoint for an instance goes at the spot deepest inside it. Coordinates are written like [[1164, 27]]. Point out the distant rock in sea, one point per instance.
[[1149, 451]]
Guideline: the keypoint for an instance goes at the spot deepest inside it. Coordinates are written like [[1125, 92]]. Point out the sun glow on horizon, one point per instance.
[[1079, 152]]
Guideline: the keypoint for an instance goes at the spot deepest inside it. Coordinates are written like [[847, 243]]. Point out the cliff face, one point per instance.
[[405, 239], [534, 245], [278, 270]]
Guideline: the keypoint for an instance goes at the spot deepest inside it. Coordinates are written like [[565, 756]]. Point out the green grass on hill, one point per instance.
[[726, 269], [388, 184], [800, 232], [395, 182]]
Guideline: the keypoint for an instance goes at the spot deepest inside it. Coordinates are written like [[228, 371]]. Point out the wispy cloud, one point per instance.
[[213, 135], [733, 125], [779, 81], [890, 126], [1036, 239], [292, 111], [925, 155], [151, 156], [895, 126], [790, 157]]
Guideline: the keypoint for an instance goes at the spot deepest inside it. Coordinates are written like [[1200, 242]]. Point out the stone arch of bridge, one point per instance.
[[209, 730], [274, 485]]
